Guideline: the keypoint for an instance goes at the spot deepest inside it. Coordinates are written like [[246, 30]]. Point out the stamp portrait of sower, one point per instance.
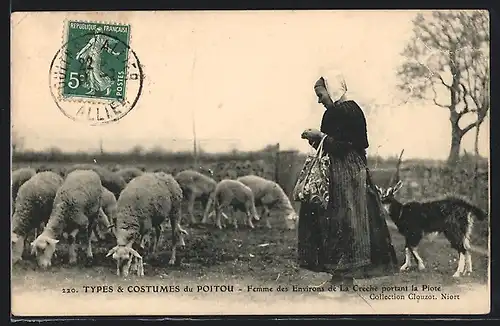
[[96, 77]]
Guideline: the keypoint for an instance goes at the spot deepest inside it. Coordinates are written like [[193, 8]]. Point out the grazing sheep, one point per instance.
[[129, 173], [56, 169], [111, 180], [77, 207], [142, 168], [115, 167], [234, 194], [270, 195], [19, 177], [143, 205], [33, 206], [195, 186]]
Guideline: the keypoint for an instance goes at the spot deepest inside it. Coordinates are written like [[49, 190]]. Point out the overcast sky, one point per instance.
[[251, 85]]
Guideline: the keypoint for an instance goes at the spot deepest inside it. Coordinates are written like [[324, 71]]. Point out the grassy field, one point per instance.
[[260, 258]]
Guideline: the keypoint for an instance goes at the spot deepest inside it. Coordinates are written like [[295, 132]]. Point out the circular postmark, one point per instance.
[[95, 77]]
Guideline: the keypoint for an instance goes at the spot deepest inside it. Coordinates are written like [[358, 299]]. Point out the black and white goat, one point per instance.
[[451, 216]]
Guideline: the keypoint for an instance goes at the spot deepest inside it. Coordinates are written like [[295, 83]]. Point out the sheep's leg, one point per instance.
[[173, 226], [142, 243], [126, 268], [190, 207], [95, 234], [249, 220], [90, 228], [218, 216], [105, 223], [206, 212], [41, 227], [234, 218], [177, 233], [156, 238], [266, 213], [72, 246]]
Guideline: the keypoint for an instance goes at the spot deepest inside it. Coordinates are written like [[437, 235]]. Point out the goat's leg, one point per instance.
[[407, 263], [72, 246], [420, 261], [468, 260], [461, 265]]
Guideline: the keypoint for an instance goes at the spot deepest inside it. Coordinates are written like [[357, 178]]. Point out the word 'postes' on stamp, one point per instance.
[[96, 77]]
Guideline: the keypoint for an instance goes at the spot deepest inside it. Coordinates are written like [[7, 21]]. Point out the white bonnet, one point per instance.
[[335, 84]]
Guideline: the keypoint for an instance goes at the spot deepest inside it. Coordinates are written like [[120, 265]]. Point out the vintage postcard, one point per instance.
[[250, 162]]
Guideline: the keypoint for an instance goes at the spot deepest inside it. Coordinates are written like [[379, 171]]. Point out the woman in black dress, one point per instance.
[[350, 238]]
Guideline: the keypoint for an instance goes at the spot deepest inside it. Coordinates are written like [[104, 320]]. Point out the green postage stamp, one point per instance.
[[96, 60], [96, 77]]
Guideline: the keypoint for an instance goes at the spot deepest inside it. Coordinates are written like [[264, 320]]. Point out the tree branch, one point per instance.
[[434, 99], [442, 80], [477, 123]]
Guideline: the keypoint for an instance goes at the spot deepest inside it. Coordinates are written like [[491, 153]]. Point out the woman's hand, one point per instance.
[[312, 135]]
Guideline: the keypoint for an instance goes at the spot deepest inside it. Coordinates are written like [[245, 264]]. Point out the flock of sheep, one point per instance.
[[131, 206]]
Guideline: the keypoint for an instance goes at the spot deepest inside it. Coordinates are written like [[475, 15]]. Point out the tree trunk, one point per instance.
[[456, 139], [476, 140], [476, 162]]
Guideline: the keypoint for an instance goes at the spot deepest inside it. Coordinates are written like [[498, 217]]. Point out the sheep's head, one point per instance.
[[105, 232], [291, 220], [124, 256], [17, 242], [44, 248]]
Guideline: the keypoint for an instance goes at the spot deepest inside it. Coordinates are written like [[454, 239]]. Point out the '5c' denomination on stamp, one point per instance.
[[96, 77]]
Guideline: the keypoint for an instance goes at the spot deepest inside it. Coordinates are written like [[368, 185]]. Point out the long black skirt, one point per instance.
[[350, 236]]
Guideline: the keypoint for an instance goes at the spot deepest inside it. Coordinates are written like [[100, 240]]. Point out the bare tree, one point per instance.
[[447, 62]]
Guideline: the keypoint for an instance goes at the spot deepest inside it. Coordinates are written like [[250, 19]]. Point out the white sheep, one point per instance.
[[269, 195], [19, 177], [77, 207], [110, 180], [143, 205], [233, 194], [195, 186], [129, 173], [33, 206]]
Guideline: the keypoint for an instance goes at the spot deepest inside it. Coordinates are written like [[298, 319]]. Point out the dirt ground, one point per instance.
[[261, 258]]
